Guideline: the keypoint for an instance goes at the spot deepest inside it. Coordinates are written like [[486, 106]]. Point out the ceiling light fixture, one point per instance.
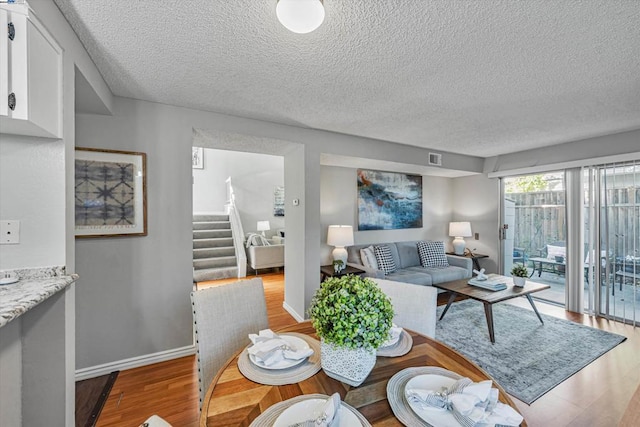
[[300, 16]]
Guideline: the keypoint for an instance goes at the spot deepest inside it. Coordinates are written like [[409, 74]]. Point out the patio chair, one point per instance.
[[223, 318], [520, 256]]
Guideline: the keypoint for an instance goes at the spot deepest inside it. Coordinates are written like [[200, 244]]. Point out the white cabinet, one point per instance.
[[30, 75]]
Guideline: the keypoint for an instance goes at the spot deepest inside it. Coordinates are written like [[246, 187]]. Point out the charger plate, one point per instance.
[[400, 348], [269, 416], [397, 399], [292, 375]]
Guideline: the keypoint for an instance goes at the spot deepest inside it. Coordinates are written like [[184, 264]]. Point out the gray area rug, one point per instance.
[[528, 358]]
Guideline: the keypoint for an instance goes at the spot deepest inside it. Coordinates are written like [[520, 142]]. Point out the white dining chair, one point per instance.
[[155, 421], [223, 318], [414, 305]]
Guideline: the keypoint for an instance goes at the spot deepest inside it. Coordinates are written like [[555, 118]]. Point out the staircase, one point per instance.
[[214, 256]]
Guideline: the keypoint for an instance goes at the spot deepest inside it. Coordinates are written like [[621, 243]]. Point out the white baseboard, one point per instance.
[[134, 362], [292, 312]]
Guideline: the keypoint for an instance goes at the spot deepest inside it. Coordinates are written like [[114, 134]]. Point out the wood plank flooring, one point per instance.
[[597, 396]]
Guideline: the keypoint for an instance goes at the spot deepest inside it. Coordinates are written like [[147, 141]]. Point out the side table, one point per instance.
[[327, 271], [473, 256]]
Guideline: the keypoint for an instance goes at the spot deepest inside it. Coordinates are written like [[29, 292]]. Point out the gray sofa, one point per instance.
[[409, 269]]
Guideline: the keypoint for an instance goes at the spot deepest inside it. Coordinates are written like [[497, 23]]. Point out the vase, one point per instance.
[[519, 281], [351, 366]]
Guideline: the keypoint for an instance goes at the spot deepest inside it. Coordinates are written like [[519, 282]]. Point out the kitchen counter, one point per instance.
[[35, 285]]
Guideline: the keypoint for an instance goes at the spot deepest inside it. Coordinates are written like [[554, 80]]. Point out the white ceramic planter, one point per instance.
[[519, 281], [351, 366]]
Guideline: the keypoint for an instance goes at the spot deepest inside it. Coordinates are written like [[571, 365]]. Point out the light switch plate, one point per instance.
[[9, 232]]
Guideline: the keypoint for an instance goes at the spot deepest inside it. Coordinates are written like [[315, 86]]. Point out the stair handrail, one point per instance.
[[236, 230]]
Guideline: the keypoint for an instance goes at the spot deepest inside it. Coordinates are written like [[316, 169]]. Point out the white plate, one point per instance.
[[293, 342], [311, 409], [393, 341], [437, 417]]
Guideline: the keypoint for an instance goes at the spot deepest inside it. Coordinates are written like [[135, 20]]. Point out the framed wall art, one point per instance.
[[278, 201], [110, 193], [388, 200], [197, 157]]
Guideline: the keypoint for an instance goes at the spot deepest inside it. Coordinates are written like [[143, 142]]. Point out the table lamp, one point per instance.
[[458, 230], [263, 226], [340, 236]]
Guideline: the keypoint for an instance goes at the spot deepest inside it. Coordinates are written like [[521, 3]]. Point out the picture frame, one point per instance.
[[197, 157], [388, 200], [110, 193], [278, 201]]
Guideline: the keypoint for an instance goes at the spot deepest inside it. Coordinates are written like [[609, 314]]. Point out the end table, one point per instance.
[[327, 271], [475, 257]]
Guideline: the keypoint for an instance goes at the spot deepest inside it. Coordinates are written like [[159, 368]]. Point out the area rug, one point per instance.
[[91, 396], [528, 358]]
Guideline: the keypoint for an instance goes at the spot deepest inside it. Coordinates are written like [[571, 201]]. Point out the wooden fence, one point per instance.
[[540, 220]]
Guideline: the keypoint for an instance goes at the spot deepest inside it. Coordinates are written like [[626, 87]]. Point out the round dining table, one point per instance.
[[233, 400]]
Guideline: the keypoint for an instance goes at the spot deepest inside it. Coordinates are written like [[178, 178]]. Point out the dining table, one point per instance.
[[233, 400]]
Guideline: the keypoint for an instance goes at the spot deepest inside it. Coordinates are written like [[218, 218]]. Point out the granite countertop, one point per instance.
[[35, 285]]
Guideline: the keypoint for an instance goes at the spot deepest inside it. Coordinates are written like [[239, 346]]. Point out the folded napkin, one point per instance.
[[326, 417], [472, 404], [394, 336], [270, 349]]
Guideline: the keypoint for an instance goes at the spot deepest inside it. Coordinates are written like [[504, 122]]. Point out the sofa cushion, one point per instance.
[[440, 275], [415, 275], [408, 254], [432, 254], [384, 258], [368, 257]]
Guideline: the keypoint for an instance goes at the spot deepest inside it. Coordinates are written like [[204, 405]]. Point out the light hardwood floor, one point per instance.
[[596, 396]]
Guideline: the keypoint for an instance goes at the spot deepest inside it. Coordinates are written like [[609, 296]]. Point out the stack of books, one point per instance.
[[493, 282]]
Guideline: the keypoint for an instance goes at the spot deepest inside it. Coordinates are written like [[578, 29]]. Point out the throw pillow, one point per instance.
[[384, 259], [432, 254], [368, 257]]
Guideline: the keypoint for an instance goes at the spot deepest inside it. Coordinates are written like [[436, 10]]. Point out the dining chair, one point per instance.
[[414, 305], [223, 318], [155, 421]]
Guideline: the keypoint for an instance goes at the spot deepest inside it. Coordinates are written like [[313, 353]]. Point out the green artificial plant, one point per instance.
[[519, 270], [351, 312]]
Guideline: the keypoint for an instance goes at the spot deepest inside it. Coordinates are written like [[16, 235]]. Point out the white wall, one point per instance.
[[32, 190], [254, 177], [339, 206]]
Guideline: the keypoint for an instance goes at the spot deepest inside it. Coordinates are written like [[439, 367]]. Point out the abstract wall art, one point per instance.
[[110, 193], [388, 200], [278, 201]]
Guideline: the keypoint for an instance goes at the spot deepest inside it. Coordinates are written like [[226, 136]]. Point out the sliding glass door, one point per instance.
[[534, 230], [612, 236]]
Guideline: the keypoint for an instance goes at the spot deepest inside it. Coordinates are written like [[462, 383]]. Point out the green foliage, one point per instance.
[[519, 270], [526, 184], [351, 312]]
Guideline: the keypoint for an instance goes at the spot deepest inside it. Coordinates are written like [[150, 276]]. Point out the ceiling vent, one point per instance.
[[435, 159]]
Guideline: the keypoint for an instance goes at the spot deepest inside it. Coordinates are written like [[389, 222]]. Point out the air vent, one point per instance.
[[435, 159]]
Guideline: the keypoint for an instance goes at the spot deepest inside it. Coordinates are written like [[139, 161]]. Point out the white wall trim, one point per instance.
[[134, 362], [292, 312], [566, 165]]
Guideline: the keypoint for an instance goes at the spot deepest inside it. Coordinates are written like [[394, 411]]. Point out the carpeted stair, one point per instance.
[[214, 256]]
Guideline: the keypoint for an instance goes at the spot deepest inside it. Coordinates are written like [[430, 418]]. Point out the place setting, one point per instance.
[[398, 344], [278, 359], [311, 410], [435, 397]]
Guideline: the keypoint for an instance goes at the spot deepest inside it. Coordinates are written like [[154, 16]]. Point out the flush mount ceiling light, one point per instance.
[[300, 16]]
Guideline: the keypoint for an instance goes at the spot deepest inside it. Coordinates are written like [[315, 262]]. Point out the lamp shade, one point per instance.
[[263, 226], [300, 16], [460, 229], [340, 235]]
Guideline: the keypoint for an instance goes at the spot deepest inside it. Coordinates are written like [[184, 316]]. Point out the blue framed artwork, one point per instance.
[[388, 200], [110, 193]]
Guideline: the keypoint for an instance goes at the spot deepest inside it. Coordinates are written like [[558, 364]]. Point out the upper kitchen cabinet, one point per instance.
[[30, 75]]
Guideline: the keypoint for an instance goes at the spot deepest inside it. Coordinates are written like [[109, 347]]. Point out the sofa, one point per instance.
[[409, 269], [263, 253]]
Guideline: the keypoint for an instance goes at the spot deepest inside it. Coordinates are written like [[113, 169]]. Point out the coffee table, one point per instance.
[[488, 298]]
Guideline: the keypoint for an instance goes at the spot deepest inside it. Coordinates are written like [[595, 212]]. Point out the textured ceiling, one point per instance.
[[471, 77]]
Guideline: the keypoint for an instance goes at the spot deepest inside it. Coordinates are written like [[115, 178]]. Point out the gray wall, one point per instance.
[[339, 206], [254, 177]]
